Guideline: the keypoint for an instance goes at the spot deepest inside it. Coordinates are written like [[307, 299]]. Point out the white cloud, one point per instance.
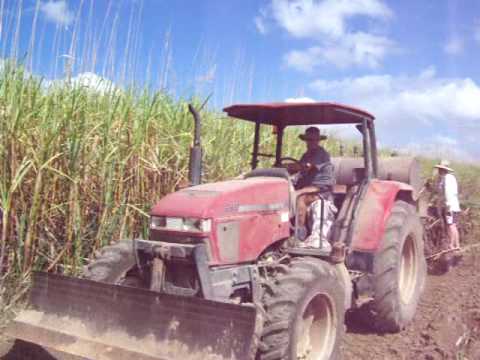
[[454, 46], [352, 50], [424, 109], [326, 23], [446, 140], [299, 100], [428, 73], [57, 12], [311, 19], [86, 80], [424, 97], [440, 147], [304, 60], [261, 21], [260, 24], [93, 82]]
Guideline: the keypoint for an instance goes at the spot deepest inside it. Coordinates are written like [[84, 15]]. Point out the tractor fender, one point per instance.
[[373, 212]]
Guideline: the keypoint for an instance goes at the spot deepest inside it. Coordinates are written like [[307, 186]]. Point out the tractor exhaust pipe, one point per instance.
[[195, 163]]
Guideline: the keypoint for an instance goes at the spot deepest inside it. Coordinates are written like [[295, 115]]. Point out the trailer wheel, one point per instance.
[[114, 264], [399, 269], [304, 313]]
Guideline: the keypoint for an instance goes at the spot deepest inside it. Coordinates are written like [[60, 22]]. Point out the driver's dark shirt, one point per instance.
[[316, 176]]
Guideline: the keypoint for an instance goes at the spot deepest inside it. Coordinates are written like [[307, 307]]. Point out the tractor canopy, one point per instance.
[[282, 115], [292, 114]]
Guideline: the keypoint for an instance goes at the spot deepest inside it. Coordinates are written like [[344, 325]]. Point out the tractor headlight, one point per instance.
[[180, 224], [157, 222]]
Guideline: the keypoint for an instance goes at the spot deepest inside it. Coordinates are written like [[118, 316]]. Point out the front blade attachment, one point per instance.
[[102, 321]]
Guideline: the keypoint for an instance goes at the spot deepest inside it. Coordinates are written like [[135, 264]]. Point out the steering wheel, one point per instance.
[[288, 158]]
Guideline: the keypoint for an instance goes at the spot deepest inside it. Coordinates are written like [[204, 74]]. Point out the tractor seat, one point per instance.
[[339, 189]]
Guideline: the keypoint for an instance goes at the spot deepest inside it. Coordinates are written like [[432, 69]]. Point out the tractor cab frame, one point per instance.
[[366, 189], [282, 115]]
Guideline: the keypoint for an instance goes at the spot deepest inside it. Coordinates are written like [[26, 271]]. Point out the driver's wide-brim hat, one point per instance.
[[444, 164], [312, 133]]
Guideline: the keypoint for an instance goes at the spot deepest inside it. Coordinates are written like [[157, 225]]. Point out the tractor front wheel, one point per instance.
[[305, 313], [399, 269]]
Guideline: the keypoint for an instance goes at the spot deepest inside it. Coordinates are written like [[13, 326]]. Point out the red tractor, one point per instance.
[[222, 276]]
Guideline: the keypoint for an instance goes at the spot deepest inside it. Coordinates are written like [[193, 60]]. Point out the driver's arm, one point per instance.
[[318, 162], [296, 167]]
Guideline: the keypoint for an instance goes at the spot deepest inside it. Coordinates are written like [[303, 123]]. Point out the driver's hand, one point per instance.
[[308, 166]]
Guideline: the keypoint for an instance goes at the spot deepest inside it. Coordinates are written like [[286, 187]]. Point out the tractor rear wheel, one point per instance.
[[304, 313], [399, 269], [114, 264]]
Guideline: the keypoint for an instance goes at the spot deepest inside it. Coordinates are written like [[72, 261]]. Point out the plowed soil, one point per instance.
[[446, 326]]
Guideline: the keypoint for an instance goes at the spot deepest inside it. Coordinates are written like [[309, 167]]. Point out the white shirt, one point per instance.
[[450, 192]]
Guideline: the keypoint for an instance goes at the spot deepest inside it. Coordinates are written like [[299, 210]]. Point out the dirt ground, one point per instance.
[[446, 326]]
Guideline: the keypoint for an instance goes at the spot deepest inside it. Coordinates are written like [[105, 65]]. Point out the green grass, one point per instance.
[[79, 169]]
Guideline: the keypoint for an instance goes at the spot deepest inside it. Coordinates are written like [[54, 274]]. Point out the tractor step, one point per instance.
[[303, 251]]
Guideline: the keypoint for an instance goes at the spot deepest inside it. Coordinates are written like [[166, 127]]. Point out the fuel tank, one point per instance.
[[246, 216], [402, 168]]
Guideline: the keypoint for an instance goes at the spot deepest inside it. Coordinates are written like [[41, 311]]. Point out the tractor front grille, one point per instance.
[[176, 238]]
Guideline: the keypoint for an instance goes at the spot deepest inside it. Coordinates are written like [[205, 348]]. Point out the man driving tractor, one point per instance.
[[314, 184]]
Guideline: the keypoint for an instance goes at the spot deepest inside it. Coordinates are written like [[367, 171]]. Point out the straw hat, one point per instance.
[[444, 164], [312, 133]]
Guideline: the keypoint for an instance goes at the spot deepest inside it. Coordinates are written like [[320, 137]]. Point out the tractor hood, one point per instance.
[[214, 200]]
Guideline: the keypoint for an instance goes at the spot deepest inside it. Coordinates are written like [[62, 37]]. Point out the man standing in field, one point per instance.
[[448, 191], [314, 185]]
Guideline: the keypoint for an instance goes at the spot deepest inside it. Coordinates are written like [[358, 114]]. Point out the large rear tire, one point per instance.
[[114, 264], [305, 313], [399, 269]]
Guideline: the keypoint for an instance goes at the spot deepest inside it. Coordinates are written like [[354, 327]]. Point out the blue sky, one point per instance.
[[413, 64]]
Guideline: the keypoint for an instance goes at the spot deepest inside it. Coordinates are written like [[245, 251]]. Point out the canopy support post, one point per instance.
[[278, 150], [256, 142]]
